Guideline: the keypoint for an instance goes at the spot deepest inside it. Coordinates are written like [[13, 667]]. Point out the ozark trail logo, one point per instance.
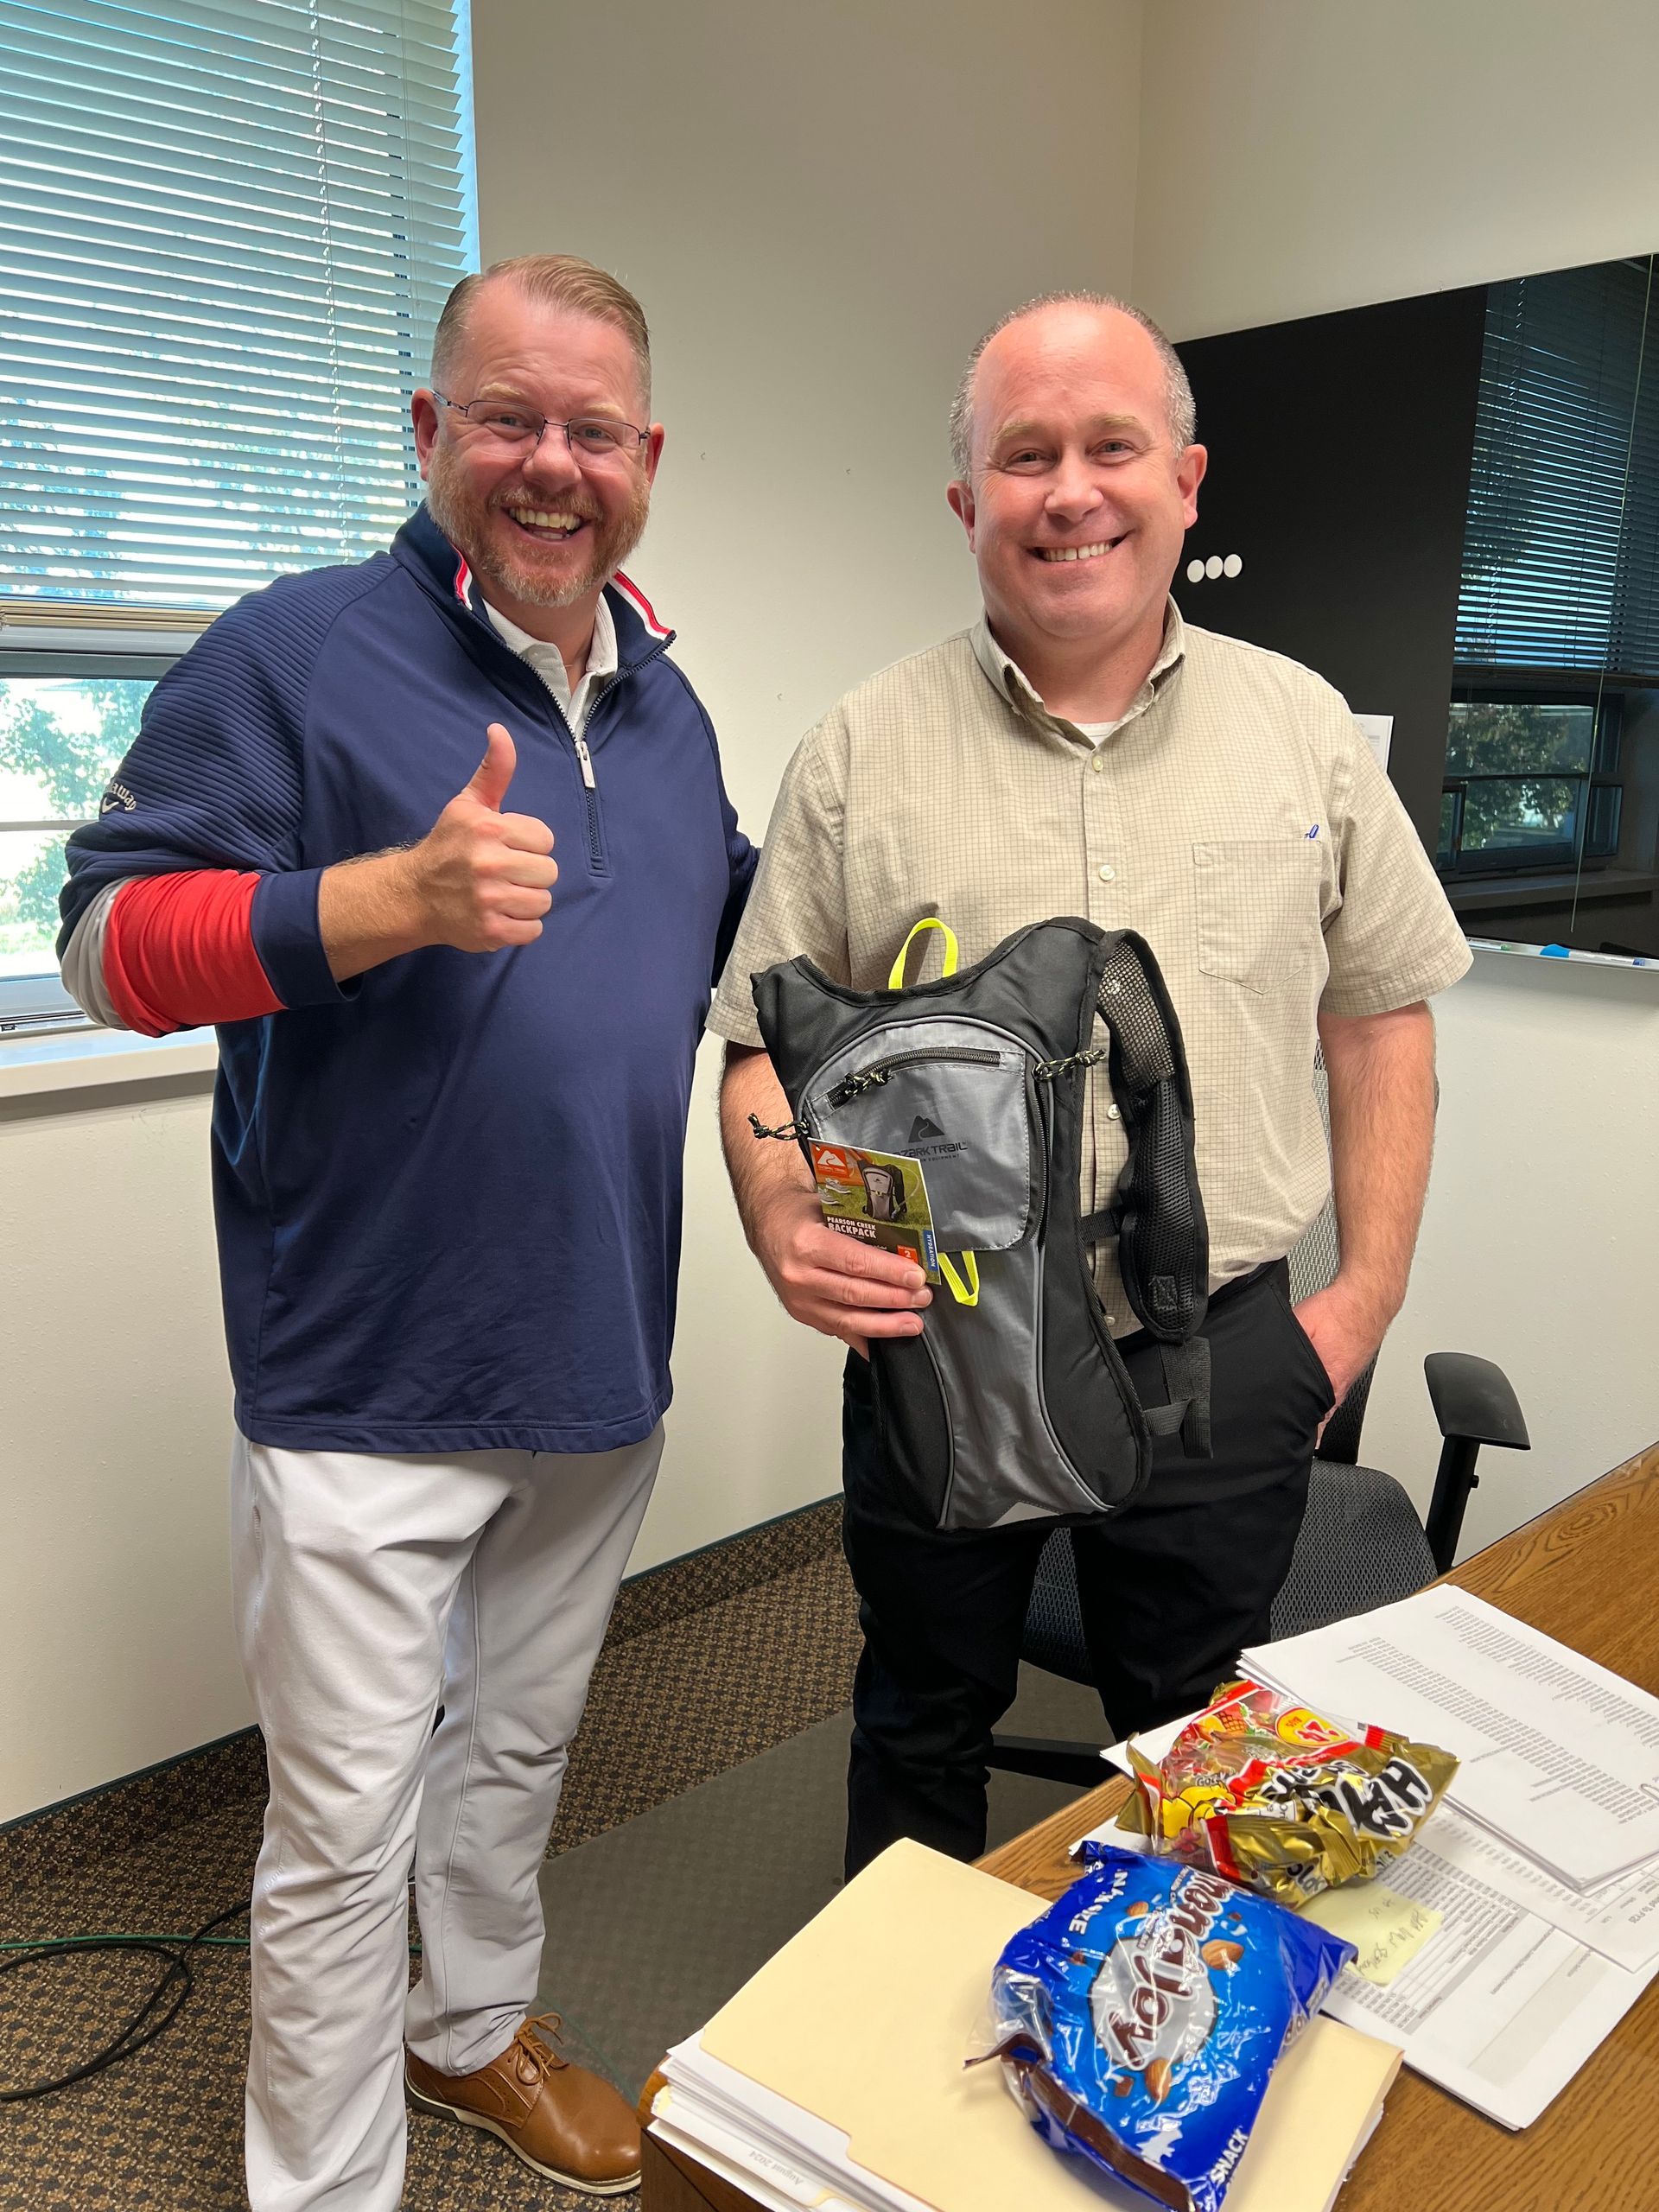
[[928, 1141]]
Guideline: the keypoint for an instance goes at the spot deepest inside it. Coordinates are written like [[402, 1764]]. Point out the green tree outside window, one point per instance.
[[64, 738]]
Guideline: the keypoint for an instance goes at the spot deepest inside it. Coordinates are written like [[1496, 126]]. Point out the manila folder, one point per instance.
[[864, 2019]]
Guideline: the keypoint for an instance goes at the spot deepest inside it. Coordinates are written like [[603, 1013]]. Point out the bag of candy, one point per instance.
[[1139, 2020], [1272, 1795]]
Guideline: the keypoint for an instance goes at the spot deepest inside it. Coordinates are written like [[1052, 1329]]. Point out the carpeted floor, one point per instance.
[[671, 1706], [652, 1925], [677, 1702], [674, 1702]]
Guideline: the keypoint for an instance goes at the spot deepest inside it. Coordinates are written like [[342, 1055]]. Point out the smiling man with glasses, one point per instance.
[[448, 1193]]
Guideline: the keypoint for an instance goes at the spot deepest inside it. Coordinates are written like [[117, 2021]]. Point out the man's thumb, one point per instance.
[[494, 772]]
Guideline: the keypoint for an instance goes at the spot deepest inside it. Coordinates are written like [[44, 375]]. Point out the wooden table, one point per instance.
[[1587, 1573]]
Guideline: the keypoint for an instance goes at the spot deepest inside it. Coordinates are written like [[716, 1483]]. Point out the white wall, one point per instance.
[[115, 1639], [821, 208], [1538, 1241], [1302, 155]]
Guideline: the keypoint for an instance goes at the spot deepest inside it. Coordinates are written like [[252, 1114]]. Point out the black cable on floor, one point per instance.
[[175, 1983], [140, 2029]]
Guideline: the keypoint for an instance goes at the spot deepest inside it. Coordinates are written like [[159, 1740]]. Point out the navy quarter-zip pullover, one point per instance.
[[448, 1192]]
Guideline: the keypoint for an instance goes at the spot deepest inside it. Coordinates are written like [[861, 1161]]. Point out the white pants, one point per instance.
[[369, 1590]]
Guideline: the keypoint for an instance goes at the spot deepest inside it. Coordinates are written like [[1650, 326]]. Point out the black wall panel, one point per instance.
[[1339, 455]]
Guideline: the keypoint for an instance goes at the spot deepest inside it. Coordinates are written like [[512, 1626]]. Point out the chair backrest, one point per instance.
[[1312, 1261]]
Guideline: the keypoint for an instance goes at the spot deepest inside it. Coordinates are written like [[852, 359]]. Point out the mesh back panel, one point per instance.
[[1160, 1215], [1315, 1256], [1312, 1261], [1126, 1004], [1361, 1545]]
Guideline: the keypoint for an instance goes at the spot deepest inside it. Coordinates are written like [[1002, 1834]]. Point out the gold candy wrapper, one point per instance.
[[1275, 1797]]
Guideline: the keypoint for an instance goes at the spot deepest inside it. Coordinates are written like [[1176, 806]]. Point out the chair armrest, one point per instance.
[[1473, 1400]]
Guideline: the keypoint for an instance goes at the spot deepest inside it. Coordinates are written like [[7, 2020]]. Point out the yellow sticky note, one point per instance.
[[1385, 1928]]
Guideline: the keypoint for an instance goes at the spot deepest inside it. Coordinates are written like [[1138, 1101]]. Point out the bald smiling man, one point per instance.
[[1083, 751]]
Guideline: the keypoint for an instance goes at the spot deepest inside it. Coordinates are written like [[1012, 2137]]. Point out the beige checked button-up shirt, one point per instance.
[[1234, 818]]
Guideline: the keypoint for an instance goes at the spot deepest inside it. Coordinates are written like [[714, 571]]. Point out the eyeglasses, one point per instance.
[[590, 437]]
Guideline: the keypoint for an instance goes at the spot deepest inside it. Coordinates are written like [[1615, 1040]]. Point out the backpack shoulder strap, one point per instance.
[[1163, 1239]]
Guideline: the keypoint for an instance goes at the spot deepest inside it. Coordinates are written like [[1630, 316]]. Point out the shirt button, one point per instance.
[[1112, 1114], [1111, 1320], [1107, 873], [1098, 764]]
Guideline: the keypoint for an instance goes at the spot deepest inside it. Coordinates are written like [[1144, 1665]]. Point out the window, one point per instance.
[[1557, 642], [62, 734], [1561, 553], [226, 230], [1529, 784]]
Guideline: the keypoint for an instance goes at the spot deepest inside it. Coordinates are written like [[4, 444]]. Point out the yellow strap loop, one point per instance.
[[896, 980], [965, 1293]]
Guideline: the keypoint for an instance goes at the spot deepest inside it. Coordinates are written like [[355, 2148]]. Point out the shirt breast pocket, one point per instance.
[[1258, 908]]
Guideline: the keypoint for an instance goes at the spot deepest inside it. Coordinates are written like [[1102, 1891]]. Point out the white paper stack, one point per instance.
[[834, 2079], [1543, 1861], [777, 2152]]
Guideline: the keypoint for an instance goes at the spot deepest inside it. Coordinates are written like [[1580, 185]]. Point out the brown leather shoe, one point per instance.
[[565, 2123]]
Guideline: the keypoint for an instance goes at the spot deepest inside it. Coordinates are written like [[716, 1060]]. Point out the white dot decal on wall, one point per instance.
[[1195, 572], [1213, 566], [1233, 565]]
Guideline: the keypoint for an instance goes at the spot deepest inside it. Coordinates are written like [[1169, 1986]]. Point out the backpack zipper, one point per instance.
[[867, 1079]]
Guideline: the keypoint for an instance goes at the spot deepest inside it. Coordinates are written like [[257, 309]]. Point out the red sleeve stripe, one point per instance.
[[178, 951]]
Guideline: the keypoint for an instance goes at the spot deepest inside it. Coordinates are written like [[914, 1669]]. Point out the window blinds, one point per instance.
[[1561, 557], [227, 229]]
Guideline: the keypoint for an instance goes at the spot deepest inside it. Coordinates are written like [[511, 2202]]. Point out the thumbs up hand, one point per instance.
[[478, 879], [484, 878], [489, 785]]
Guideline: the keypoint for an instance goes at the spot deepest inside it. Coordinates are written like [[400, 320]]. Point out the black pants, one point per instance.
[[1171, 1588]]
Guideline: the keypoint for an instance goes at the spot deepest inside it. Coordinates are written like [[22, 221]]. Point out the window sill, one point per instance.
[[1468, 893], [81, 1058]]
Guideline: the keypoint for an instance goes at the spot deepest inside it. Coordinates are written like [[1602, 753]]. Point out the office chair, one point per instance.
[[1361, 1543]]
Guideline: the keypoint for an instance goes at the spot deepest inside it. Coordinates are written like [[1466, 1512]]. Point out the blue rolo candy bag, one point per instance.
[[1139, 2020]]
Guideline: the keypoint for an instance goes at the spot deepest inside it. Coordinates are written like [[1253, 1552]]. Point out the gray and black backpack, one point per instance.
[[1013, 1404]]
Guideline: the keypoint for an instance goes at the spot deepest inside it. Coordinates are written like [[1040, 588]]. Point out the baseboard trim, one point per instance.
[[135, 1809]]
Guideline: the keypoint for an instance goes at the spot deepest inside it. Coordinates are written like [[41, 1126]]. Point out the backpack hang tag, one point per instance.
[[880, 1197]]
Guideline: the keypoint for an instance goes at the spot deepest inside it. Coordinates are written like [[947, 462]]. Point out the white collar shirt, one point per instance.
[[1011, 679], [548, 662]]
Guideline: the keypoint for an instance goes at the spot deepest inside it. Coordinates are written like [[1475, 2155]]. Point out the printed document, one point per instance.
[[1498, 2006], [1559, 1757]]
